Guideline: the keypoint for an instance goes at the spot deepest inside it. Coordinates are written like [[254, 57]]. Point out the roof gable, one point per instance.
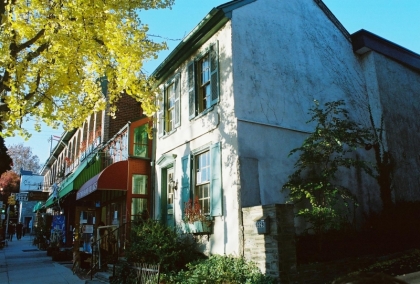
[[364, 41], [210, 24]]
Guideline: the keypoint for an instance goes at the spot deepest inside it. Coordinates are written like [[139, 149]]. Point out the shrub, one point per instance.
[[219, 269], [153, 242]]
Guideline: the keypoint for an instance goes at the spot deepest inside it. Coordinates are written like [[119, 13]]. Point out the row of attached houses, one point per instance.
[[235, 95]]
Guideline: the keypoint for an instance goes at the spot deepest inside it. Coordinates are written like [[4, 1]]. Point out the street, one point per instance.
[[21, 262]]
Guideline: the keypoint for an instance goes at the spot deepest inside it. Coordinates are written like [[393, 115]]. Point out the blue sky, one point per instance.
[[395, 20]]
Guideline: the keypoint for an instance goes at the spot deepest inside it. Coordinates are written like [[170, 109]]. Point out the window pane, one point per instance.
[[140, 142], [205, 70], [138, 206], [170, 104], [170, 187], [139, 184], [204, 84], [202, 181]]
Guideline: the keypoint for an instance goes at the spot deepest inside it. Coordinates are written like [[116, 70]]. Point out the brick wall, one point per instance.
[[127, 110], [274, 252]]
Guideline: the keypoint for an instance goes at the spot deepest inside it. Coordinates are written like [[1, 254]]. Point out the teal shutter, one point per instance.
[[185, 181], [177, 90], [191, 89], [214, 74], [160, 114], [163, 197], [216, 193]]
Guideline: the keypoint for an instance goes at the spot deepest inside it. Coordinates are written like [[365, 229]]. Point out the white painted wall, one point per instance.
[[286, 54], [275, 58], [217, 125]]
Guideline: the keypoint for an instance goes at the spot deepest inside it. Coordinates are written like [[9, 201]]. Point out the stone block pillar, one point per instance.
[[275, 251]]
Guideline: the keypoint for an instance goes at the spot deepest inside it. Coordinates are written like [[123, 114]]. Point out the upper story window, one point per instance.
[[203, 82], [169, 109], [140, 143]]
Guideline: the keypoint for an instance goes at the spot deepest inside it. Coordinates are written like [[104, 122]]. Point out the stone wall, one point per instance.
[[275, 251]]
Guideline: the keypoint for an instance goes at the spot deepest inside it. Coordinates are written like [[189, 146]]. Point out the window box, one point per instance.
[[201, 227], [195, 221], [198, 228]]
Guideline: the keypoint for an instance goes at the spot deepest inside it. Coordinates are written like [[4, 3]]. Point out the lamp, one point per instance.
[[173, 183]]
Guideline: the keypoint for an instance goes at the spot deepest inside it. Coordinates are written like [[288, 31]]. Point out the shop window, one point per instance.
[[139, 184], [138, 208]]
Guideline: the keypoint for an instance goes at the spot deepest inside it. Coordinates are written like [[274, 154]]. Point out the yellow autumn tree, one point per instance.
[[56, 54]]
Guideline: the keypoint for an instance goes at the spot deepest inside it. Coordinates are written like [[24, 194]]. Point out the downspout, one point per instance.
[[152, 172], [128, 197]]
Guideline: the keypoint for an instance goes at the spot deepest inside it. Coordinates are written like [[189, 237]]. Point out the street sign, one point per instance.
[[21, 196], [37, 196]]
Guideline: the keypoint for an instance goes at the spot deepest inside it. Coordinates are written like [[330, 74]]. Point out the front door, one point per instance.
[[170, 219]]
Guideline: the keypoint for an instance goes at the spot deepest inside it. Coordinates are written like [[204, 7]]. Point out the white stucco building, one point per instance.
[[235, 99]]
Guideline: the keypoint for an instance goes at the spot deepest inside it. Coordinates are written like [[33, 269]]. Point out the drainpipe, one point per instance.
[[128, 196], [152, 172]]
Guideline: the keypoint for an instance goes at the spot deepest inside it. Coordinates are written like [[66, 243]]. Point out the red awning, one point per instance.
[[114, 177]]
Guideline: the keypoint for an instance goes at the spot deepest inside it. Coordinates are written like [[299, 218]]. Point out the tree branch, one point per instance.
[[31, 41], [37, 52]]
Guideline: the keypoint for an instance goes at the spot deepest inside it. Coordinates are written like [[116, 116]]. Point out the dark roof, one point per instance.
[[364, 41], [211, 23]]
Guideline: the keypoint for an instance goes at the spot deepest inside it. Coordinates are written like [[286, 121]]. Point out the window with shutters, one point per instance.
[[203, 82], [202, 178], [170, 108]]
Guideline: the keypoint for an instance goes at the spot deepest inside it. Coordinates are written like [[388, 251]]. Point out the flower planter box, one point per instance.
[[199, 228]]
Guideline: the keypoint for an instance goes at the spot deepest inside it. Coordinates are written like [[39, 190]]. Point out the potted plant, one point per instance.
[[196, 222]]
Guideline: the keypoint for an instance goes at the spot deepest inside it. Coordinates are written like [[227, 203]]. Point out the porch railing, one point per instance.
[[115, 241]]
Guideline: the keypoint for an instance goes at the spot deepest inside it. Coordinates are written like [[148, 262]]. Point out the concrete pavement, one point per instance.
[[22, 263], [411, 278]]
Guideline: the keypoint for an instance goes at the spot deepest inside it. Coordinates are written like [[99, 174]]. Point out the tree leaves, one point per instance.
[[52, 54], [23, 159], [323, 153]]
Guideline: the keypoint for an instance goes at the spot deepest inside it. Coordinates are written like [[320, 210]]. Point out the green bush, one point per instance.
[[153, 242], [219, 269]]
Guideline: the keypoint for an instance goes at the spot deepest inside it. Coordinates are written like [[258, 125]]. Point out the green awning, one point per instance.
[[87, 169], [67, 185], [49, 202], [38, 206]]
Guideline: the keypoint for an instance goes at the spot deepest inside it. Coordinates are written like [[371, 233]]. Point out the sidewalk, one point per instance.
[[412, 278], [22, 263]]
